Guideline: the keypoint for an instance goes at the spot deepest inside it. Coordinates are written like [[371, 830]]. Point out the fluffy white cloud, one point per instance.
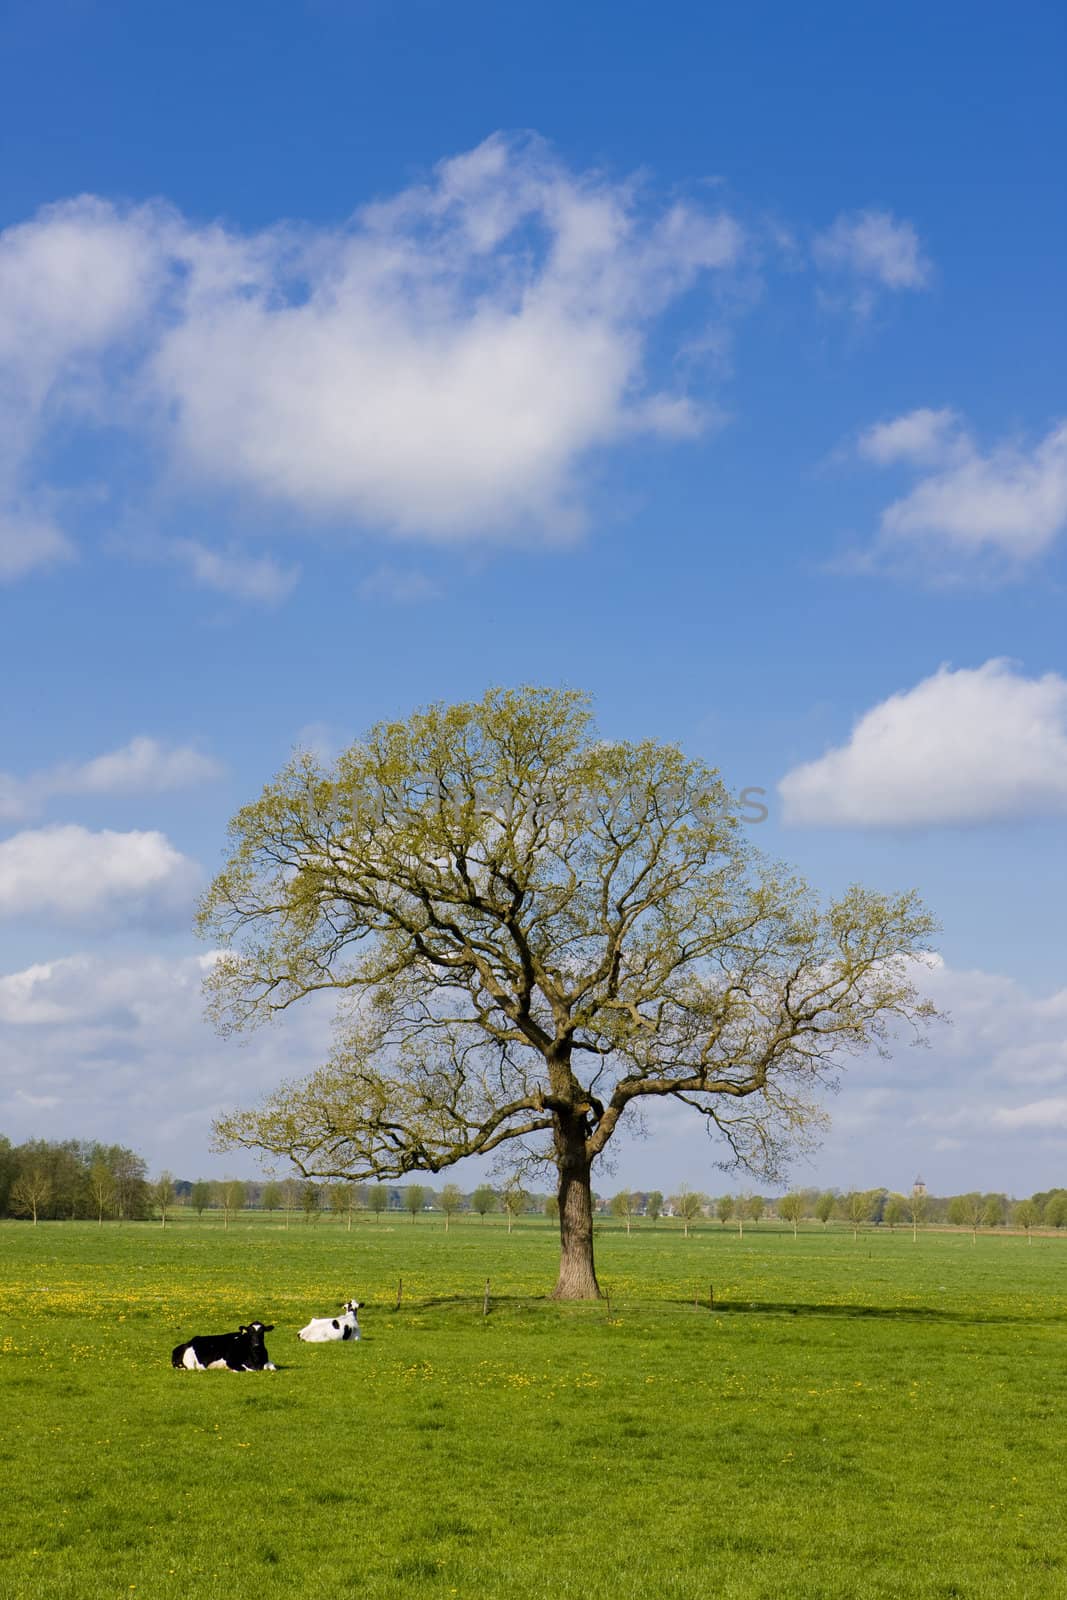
[[1038, 1116], [117, 1049], [75, 283], [979, 1109], [923, 435], [962, 1113], [73, 280], [234, 572], [403, 586], [43, 993], [144, 766], [1010, 502], [70, 874], [974, 745], [28, 539], [872, 250], [439, 368]]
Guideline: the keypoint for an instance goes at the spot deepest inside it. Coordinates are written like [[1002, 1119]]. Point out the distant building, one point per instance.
[[918, 1187]]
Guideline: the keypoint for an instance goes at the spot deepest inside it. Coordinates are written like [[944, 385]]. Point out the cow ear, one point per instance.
[[242, 1329], [269, 1328]]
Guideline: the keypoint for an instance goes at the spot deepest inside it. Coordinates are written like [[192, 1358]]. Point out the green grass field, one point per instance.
[[854, 1418]]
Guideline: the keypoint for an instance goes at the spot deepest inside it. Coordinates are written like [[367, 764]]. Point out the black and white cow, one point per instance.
[[243, 1351], [346, 1326]]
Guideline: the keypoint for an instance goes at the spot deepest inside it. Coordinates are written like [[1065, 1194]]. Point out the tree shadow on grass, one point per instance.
[[904, 1314], [609, 1305], [441, 1302]]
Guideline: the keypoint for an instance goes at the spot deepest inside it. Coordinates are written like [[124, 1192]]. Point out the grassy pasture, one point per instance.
[[853, 1419]]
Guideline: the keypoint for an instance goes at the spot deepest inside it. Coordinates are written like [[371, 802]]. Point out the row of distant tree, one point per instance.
[[295, 1196], [75, 1178], [40, 1180], [858, 1207]]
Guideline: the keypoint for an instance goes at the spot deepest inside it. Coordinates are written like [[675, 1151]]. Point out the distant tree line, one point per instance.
[[856, 1207], [76, 1179], [73, 1179], [80, 1179]]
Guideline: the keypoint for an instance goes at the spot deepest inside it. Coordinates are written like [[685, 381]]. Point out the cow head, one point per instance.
[[351, 1305]]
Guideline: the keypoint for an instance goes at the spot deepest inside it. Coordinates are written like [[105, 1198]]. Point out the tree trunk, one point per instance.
[[577, 1273]]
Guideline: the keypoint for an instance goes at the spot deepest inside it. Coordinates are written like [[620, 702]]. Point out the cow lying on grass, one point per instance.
[[346, 1326], [243, 1351]]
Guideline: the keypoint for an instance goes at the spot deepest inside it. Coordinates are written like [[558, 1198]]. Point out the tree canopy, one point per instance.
[[530, 930]]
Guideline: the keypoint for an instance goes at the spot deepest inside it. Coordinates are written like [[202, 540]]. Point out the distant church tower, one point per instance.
[[918, 1187]]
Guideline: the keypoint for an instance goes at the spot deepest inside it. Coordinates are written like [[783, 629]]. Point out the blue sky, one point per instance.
[[355, 356]]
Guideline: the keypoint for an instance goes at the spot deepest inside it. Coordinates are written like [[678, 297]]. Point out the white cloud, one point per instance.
[[116, 1048], [28, 540], [36, 994], [439, 368], [144, 766], [980, 744], [89, 990], [321, 740], [403, 586], [922, 435], [1012, 501], [67, 873], [872, 250], [1040, 1116], [1008, 503], [72, 280], [963, 1113], [74, 283], [234, 572]]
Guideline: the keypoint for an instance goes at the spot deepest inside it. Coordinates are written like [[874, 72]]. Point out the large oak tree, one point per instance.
[[532, 931]]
